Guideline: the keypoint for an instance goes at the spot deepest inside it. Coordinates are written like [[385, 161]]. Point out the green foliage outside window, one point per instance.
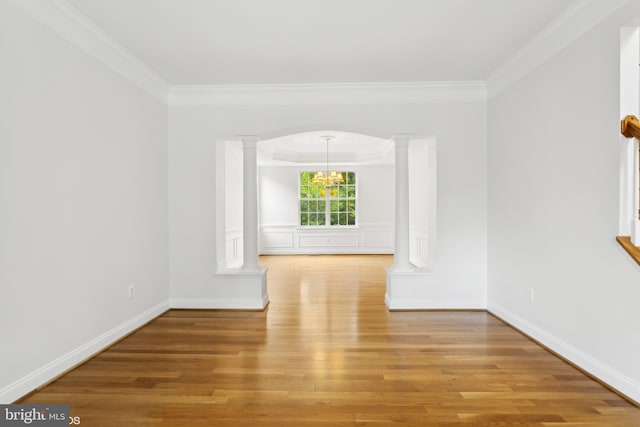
[[332, 206]]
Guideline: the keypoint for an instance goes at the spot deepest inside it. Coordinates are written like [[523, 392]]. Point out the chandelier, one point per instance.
[[326, 178]]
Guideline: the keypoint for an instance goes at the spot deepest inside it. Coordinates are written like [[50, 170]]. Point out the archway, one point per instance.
[[282, 158]]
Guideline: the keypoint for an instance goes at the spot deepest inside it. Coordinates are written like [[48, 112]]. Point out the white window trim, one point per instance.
[[629, 203], [327, 203]]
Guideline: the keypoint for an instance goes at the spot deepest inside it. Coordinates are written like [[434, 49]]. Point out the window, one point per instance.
[[629, 215], [333, 206]]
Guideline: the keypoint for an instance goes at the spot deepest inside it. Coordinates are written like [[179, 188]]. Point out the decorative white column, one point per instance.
[[401, 250], [244, 288], [250, 204], [407, 287]]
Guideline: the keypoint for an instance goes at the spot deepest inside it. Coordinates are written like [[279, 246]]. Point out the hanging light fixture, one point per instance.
[[326, 178]]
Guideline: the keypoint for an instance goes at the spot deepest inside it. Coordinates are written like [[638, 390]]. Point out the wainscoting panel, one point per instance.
[[419, 248], [234, 247], [277, 239], [327, 240], [292, 239], [377, 237]]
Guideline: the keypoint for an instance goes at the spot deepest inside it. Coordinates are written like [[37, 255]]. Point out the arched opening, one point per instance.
[[298, 216], [284, 208]]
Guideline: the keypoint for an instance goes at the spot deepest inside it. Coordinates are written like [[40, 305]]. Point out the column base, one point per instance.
[[238, 289], [403, 287]]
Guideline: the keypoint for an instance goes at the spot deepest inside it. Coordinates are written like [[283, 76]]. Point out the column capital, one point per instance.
[[249, 141], [401, 139]]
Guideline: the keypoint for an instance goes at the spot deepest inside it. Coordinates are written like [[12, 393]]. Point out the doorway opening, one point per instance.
[[288, 218]]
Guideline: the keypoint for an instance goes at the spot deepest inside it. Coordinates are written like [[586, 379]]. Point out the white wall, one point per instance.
[[194, 130], [83, 191], [278, 207], [553, 151]]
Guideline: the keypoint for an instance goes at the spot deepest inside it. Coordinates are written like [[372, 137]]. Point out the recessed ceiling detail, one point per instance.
[[309, 148]]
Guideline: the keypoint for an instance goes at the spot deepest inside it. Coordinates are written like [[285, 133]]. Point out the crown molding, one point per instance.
[[559, 33], [329, 93], [66, 21]]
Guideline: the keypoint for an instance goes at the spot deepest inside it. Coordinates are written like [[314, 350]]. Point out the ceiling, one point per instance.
[[218, 42], [310, 148], [238, 42]]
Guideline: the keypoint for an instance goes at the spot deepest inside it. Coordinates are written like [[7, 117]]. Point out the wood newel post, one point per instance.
[[630, 127]]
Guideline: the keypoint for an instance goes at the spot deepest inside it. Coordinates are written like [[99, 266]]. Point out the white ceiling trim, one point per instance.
[[567, 27], [330, 93], [66, 21], [63, 19]]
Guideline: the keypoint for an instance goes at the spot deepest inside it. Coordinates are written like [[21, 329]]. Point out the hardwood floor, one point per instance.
[[326, 352]]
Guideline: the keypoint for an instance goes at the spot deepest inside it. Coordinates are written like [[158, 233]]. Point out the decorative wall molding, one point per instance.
[[234, 247], [419, 248], [292, 239], [62, 18], [559, 33], [66, 21], [41, 376], [598, 369], [330, 94]]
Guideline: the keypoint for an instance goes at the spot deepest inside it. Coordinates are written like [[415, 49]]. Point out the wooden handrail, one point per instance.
[[630, 127]]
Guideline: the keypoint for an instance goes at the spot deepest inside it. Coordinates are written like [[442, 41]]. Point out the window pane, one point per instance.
[[351, 212], [313, 201], [305, 178]]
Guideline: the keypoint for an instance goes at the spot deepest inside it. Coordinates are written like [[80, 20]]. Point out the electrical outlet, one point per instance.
[[132, 291], [531, 295]]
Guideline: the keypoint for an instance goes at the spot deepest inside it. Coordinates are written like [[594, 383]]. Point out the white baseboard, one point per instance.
[[226, 303], [599, 370], [424, 304], [43, 375]]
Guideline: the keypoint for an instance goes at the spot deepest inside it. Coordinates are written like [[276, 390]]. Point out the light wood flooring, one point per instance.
[[326, 352]]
